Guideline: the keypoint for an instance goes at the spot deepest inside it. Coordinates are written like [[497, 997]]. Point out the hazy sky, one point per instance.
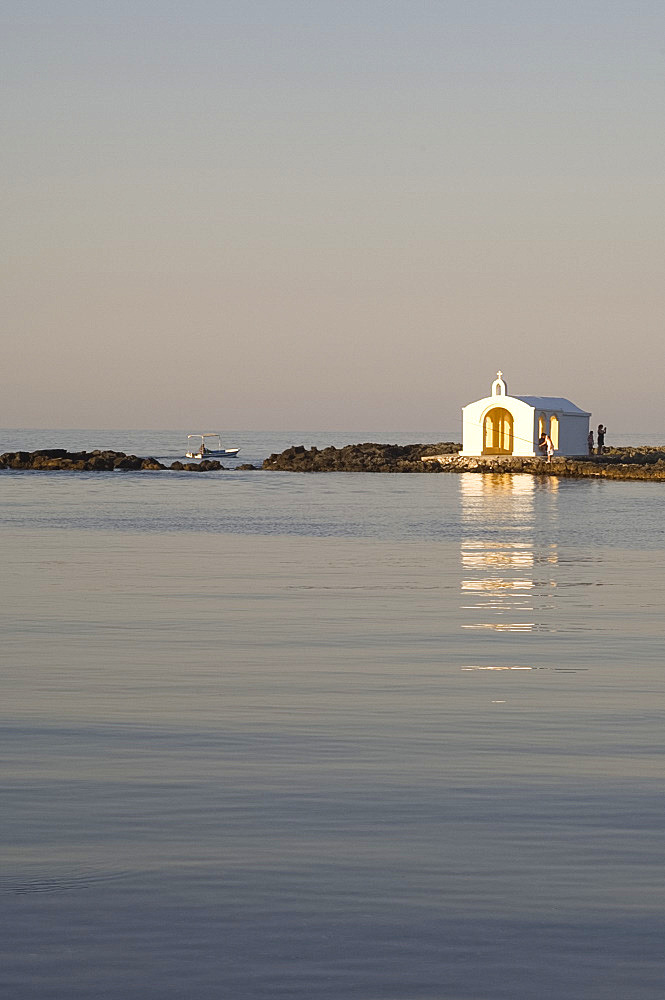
[[330, 214]]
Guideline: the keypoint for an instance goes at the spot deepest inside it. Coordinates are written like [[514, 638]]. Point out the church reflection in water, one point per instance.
[[507, 557]]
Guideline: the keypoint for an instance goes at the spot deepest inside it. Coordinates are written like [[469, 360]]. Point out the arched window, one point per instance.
[[554, 431], [542, 424], [498, 432]]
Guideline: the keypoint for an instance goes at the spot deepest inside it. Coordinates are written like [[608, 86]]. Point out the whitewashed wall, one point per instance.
[[573, 427], [473, 416]]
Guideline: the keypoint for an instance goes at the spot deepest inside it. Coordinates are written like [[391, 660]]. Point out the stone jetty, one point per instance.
[[615, 463]]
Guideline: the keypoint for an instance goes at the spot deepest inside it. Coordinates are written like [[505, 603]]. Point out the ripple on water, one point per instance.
[[46, 881]]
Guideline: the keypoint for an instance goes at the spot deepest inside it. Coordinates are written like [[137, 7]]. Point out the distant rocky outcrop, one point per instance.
[[366, 457], [57, 459]]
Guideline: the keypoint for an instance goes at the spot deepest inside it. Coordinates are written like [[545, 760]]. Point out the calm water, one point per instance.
[[338, 736]]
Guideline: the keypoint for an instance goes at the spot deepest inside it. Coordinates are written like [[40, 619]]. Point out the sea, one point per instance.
[[335, 736]]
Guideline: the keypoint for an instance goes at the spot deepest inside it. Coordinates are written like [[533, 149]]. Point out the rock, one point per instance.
[[246, 468], [18, 459], [130, 462], [207, 465], [57, 459], [368, 457], [99, 463]]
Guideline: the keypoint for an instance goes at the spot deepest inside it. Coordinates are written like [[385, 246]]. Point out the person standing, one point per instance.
[[601, 438], [549, 446], [589, 442]]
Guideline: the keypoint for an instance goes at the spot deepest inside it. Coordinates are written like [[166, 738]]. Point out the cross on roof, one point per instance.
[[500, 373]]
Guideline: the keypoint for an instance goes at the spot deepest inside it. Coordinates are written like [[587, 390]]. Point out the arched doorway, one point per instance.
[[498, 432]]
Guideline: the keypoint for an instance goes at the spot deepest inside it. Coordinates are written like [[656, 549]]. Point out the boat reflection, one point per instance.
[[507, 581]]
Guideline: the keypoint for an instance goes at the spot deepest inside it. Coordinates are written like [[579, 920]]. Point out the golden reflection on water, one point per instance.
[[507, 562], [477, 667]]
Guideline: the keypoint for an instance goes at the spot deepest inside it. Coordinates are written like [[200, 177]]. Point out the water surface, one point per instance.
[[339, 736]]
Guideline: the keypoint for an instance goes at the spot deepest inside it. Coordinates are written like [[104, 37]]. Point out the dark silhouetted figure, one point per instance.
[[589, 442]]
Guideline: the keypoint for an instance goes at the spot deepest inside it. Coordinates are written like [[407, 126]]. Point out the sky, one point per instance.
[[330, 214]]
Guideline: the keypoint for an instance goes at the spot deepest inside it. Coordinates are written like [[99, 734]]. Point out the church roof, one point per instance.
[[553, 403]]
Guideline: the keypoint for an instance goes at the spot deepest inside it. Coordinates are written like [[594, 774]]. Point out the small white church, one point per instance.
[[501, 424]]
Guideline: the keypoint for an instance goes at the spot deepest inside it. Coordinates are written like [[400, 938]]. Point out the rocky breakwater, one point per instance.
[[616, 463], [367, 457], [57, 459]]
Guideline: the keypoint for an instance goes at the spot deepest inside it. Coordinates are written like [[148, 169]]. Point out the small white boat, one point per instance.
[[207, 446]]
